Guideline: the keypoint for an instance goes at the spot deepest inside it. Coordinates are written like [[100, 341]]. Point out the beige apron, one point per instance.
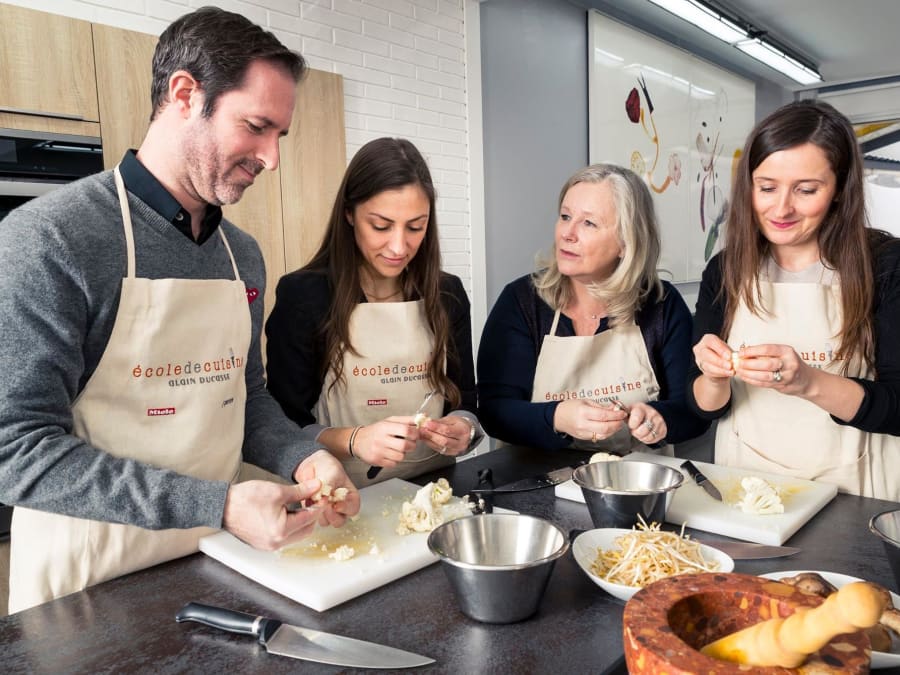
[[769, 431], [388, 378], [169, 391], [613, 365]]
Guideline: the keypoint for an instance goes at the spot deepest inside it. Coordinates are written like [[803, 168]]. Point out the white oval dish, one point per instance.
[[879, 659], [585, 546]]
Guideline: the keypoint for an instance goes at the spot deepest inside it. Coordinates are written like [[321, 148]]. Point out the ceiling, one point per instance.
[[848, 41]]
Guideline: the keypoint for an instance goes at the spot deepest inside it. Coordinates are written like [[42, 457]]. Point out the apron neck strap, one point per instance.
[[129, 230], [237, 277], [126, 222], [555, 322]]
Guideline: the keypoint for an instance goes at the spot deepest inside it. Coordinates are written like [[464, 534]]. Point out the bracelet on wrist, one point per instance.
[[353, 438], [473, 432]]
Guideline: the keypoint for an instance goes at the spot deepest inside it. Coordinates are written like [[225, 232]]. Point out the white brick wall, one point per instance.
[[404, 69]]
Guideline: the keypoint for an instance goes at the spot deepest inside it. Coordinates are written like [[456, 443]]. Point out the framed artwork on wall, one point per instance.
[[680, 123]]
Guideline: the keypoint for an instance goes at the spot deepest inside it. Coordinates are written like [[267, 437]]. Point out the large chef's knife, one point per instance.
[[746, 550], [302, 643], [541, 480], [702, 480]]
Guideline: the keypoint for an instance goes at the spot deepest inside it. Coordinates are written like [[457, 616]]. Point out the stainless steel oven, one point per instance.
[[32, 164]]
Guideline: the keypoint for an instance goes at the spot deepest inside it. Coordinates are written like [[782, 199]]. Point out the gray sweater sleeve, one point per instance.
[[62, 259]]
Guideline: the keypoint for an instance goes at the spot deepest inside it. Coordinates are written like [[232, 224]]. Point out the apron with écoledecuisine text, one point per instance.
[[388, 378], [611, 366], [766, 430], [168, 392]]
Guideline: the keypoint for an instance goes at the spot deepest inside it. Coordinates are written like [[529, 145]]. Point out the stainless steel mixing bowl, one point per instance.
[[616, 493], [886, 526], [499, 563]]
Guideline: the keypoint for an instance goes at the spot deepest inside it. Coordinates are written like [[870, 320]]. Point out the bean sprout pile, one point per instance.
[[648, 554]]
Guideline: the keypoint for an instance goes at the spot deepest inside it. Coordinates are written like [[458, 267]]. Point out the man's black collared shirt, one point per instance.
[[144, 185]]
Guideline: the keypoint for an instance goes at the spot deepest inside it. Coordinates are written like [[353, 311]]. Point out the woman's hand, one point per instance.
[[448, 435], [712, 390], [588, 420], [714, 358], [646, 424], [776, 367], [385, 443]]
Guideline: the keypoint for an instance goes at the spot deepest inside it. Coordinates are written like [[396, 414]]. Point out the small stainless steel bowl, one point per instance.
[[886, 526], [498, 563], [616, 493]]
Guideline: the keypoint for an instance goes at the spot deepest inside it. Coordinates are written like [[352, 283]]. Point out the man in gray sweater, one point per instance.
[[131, 378]]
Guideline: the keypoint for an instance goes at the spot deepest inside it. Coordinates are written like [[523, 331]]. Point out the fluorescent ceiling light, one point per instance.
[[777, 59], [715, 24], [704, 18]]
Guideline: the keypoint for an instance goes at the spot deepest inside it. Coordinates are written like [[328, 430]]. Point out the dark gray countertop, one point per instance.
[[127, 625]]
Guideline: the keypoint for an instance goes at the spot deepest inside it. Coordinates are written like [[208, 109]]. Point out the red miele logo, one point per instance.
[[377, 401], [156, 412], [252, 294]]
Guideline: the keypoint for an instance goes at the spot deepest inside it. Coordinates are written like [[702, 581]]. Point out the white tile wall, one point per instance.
[[404, 69]]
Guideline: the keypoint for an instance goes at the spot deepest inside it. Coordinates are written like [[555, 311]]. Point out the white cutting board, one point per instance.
[[317, 581], [693, 507]]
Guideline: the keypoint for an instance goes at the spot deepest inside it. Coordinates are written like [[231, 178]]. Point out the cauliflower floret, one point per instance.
[[420, 419], [759, 497], [425, 511], [330, 494], [342, 553], [441, 492], [604, 457]]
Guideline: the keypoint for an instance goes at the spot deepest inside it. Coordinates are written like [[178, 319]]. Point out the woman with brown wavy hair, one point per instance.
[[362, 334], [795, 330]]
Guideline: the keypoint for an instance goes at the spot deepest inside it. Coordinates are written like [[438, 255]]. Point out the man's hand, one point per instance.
[[323, 466], [256, 513]]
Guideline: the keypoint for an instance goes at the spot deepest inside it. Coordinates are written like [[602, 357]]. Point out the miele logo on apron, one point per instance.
[[390, 374], [191, 372], [157, 412], [602, 394]]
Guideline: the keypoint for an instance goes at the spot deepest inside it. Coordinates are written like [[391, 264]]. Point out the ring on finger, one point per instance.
[[776, 375], [650, 427], [594, 437]]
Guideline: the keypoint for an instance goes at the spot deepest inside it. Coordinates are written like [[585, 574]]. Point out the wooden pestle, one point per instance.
[[786, 642]]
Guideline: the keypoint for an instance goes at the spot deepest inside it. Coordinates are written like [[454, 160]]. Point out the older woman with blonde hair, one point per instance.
[[592, 350]]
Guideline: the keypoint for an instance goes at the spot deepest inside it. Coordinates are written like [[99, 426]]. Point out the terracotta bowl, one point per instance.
[[666, 623]]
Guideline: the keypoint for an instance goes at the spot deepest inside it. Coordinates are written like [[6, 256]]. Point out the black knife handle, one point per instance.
[[693, 471], [228, 620], [372, 472]]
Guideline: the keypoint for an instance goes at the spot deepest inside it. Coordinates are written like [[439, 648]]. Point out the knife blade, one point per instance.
[[702, 480], [302, 643], [541, 480], [745, 550]]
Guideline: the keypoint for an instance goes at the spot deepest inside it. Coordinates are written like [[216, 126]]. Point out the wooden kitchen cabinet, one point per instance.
[[123, 88], [46, 65], [313, 160]]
